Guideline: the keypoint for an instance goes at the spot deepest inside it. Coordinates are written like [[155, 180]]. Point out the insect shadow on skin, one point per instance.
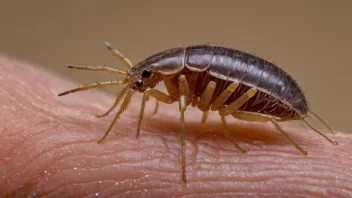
[[211, 78], [257, 134]]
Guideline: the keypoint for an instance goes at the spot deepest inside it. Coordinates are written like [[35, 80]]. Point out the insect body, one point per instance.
[[232, 82]]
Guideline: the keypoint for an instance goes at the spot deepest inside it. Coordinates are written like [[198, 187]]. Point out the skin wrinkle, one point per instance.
[[81, 141], [15, 149], [50, 149], [19, 132], [316, 184], [104, 155], [101, 182], [113, 186], [281, 173], [21, 142], [46, 149], [90, 168], [287, 188], [139, 189], [212, 163], [26, 140], [64, 186], [245, 194], [26, 105], [120, 164], [228, 189]]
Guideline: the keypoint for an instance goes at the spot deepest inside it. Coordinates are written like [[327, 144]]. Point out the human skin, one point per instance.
[[48, 148]]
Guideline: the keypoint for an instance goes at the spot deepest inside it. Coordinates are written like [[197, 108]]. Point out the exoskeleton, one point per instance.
[[212, 78]]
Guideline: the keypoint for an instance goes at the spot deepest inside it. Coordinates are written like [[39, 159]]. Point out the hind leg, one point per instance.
[[277, 126], [228, 136], [231, 108], [260, 118]]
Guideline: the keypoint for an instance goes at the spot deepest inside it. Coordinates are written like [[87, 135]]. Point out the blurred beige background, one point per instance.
[[311, 40]]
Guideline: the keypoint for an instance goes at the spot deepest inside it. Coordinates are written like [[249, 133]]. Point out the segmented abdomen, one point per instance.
[[237, 66]]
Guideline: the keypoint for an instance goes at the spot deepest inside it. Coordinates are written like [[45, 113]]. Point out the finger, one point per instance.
[[48, 148]]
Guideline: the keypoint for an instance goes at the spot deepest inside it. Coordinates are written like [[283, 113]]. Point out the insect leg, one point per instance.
[[221, 99], [206, 96], [228, 136], [105, 69], [93, 86], [183, 101], [224, 111], [141, 113], [205, 116], [277, 126], [260, 118], [117, 101], [322, 121], [123, 107], [120, 56], [156, 108], [324, 136], [159, 96], [204, 100]]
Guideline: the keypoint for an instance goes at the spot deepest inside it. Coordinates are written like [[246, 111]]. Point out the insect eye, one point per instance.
[[139, 83], [146, 73]]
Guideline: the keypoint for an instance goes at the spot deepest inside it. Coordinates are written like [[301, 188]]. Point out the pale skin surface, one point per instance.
[[48, 148]]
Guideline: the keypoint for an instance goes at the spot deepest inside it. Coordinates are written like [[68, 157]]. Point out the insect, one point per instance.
[[212, 78]]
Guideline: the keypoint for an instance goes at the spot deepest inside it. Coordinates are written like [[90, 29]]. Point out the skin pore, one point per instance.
[[48, 148]]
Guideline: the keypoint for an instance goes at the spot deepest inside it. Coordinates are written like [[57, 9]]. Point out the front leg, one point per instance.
[[159, 96]]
